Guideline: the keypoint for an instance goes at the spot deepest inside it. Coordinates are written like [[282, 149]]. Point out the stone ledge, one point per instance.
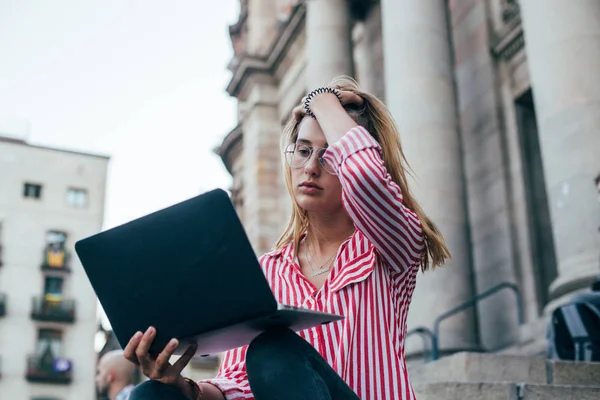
[[487, 367], [482, 367], [553, 392], [502, 391], [573, 373], [465, 391]]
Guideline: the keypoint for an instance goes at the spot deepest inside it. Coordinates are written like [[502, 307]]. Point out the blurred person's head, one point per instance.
[[374, 116], [113, 373]]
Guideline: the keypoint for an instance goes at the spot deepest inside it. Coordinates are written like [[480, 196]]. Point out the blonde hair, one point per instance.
[[375, 117]]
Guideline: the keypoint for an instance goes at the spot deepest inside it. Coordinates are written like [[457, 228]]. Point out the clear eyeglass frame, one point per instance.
[[297, 155]]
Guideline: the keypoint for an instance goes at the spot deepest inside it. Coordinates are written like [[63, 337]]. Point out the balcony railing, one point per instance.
[[52, 370], [46, 267], [2, 304], [55, 261], [55, 310]]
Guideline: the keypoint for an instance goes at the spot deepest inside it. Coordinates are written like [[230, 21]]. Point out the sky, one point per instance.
[[142, 81]]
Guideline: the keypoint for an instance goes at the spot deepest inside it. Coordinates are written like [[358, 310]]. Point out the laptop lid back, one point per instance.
[[185, 270]]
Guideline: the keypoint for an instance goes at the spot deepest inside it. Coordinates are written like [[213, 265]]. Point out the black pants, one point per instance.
[[280, 366]]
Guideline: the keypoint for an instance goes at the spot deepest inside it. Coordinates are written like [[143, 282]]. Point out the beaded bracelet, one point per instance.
[[317, 92]]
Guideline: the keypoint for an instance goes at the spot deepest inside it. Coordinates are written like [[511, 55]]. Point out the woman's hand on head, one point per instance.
[[158, 367], [347, 97], [351, 98]]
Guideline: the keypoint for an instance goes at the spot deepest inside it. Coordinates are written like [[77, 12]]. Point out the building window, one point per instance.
[[47, 365], [53, 288], [32, 190], [55, 255], [539, 223], [49, 346], [77, 198]]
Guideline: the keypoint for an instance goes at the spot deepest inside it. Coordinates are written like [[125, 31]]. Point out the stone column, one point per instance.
[[262, 18], [328, 41], [421, 96], [562, 40], [263, 215], [368, 53]]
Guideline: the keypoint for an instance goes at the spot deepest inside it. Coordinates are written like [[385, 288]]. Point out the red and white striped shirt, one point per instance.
[[371, 282]]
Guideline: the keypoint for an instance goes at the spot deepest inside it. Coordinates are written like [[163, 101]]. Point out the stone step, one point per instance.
[[487, 367], [556, 392], [464, 391], [502, 391]]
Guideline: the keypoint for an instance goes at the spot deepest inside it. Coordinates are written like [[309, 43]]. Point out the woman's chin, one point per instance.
[[309, 203]]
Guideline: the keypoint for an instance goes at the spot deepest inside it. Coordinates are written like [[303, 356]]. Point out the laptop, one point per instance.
[[190, 271]]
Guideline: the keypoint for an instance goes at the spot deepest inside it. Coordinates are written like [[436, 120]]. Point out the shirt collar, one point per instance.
[[124, 393]]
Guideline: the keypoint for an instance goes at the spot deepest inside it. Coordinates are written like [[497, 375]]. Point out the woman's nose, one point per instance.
[[312, 165]]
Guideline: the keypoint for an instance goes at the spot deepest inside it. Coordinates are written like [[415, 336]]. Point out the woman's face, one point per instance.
[[315, 189]]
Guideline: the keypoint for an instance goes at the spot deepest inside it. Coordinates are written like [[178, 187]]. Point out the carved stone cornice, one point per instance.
[[510, 9], [229, 147], [246, 65], [509, 40], [236, 28]]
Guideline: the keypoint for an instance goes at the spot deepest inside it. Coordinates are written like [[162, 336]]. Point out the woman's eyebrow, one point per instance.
[[306, 141]]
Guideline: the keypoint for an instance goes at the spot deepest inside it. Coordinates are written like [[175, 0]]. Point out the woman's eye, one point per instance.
[[303, 152]]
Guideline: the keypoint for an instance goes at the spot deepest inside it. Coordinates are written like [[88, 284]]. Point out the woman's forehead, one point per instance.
[[309, 131]]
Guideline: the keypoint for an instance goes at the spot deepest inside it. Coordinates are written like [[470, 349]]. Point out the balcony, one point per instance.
[[2, 304], [49, 370], [55, 260], [49, 308]]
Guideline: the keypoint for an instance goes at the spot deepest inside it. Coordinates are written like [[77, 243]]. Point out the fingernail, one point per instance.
[[150, 331], [173, 343], [137, 335]]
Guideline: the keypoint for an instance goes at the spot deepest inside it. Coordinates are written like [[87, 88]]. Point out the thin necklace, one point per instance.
[[321, 270]]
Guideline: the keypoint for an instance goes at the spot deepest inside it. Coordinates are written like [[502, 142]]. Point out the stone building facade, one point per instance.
[[497, 102]]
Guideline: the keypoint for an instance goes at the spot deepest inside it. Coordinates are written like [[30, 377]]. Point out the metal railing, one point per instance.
[[60, 262], [427, 336], [58, 310], [470, 303], [52, 370]]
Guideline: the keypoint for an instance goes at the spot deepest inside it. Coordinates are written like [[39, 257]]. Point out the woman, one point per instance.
[[354, 244]]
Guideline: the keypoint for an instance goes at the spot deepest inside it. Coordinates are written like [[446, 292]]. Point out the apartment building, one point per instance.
[[49, 198]]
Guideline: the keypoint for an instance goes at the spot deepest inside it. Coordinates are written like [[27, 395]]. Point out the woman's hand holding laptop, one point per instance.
[[158, 367]]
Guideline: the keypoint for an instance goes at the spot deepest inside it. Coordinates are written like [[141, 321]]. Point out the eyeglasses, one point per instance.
[[297, 155]]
